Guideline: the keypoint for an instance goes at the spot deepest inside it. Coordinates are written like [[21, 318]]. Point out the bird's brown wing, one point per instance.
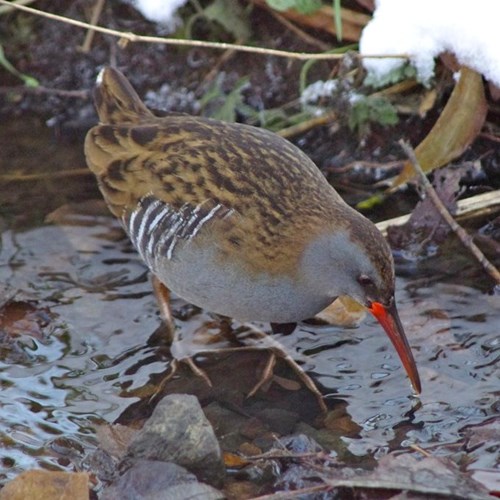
[[263, 180]]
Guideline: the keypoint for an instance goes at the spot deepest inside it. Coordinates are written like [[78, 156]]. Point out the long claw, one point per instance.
[[278, 350], [266, 375], [174, 366], [198, 371]]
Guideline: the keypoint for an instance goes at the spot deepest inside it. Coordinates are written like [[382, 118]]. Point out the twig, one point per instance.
[[223, 59], [94, 19], [79, 94], [282, 455], [77, 172], [420, 450], [290, 495], [465, 238], [484, 204], [132, 37], [12, 6], [307, 125], [491, 137]]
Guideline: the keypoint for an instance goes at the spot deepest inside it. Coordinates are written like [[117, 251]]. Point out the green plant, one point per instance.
[[366, 110], [337, 19], [309, 64], [403, 72], [221, 106], [302, 6], [29, 81], [276, 119], [228, 14]]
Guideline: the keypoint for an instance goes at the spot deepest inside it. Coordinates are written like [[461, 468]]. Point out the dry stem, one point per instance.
[[94, 19], [464, 237], [132, 37]]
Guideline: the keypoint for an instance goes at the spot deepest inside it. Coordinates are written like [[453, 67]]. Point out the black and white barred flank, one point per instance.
[[155, 228]]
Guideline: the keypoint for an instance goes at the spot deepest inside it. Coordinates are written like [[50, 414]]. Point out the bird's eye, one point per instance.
[[365, 280]]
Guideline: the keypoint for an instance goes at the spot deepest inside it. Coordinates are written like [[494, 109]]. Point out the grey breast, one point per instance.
[[167, 239]]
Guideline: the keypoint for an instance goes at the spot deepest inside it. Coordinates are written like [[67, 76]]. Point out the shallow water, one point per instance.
[[81, 345]]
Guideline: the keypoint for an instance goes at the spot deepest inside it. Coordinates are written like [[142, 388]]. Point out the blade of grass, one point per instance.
[[29, 81], [337, 19]]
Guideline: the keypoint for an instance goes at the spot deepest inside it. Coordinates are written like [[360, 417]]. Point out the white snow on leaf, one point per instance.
[[424, 29], [160, 11]]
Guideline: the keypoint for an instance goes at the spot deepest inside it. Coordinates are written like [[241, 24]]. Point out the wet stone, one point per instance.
[[179, 432], [241, 489], [300, 443], [226, 424], [102, 464], [325, 438], [278, 420], [154, 480], [261, 472], [298, 477], [253, 428]]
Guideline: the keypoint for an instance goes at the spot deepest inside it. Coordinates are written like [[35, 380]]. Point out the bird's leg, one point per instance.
[[264, 341], [276, 349], [162, 294], [266, 375]]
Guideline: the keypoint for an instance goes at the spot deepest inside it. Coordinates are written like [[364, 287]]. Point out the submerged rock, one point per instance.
[[179, 432], [154, 480]]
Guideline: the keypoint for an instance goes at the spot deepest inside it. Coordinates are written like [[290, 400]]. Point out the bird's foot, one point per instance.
[[266, 375], [277, 350], [179, 356], [174, 367], [260, 340]]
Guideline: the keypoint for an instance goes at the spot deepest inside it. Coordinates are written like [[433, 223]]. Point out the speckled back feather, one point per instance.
[[266, 181]]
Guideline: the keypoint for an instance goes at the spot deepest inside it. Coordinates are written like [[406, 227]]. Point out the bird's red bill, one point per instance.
[[388, 317]]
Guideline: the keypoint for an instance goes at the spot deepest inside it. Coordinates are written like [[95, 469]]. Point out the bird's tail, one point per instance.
[[115, 99]]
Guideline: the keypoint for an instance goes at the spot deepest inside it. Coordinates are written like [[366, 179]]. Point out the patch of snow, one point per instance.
[[424, 29], [317, 90], [160, 11], [167, 99]]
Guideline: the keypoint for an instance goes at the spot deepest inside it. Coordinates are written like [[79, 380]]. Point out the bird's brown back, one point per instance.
[[277, 194]]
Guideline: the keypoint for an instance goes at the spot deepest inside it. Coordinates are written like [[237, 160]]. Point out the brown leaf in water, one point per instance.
[[115, 438], [429, 477], [339, 421], [233, 461], [456, 128], [482, 445], [23, 318], [45, 485]]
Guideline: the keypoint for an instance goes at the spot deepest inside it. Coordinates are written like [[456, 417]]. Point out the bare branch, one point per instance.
[[132, 37], [464, 237]]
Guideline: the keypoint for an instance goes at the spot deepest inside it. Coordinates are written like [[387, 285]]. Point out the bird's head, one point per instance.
[[355, 260]]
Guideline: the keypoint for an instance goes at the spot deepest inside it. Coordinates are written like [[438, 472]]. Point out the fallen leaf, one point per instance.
[[429, 477], [344, 311], [23, 318], [45, 485], [233, 461], [427, 103], [352, 21], [456, 128], [115, 438]]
